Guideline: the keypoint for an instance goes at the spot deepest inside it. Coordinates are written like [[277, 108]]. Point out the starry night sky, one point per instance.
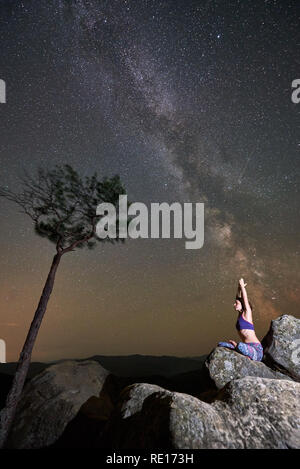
[[188, 101]]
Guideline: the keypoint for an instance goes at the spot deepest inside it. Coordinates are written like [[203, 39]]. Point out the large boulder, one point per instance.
[[282, 346], [52, 399], [224, 364], [248, 413]]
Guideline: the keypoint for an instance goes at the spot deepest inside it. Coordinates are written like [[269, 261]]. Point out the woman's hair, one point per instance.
[[239, 298]]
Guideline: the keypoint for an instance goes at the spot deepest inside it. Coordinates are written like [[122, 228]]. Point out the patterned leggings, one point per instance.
[[253, 350]]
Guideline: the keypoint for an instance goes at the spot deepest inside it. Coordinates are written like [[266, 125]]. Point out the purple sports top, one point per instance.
[[243, 324]]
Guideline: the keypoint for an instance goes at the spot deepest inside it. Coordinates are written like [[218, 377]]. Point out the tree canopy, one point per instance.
[[63, 205]]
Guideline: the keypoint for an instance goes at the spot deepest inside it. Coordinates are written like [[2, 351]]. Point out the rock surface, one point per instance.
[[282, 345], [52, 399], [223, 365], [230, 402], [248, 413]]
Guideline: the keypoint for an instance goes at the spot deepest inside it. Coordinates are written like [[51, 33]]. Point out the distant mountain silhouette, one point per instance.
[[126, 365], [149, 365]]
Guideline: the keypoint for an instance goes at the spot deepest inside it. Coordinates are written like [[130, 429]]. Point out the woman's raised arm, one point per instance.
[[242, 286]]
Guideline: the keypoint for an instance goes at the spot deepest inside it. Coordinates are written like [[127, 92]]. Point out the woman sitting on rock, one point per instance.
[[250, 345]]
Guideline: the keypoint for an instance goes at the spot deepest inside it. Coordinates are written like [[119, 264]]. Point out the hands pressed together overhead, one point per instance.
[[242, 283]]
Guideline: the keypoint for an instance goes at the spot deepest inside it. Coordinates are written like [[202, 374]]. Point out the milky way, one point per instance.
[[187, 101]]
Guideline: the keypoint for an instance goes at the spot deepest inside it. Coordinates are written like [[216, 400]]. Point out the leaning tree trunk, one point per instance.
[[8, 412]]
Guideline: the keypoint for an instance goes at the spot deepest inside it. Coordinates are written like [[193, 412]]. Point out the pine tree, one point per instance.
[[62, 207]]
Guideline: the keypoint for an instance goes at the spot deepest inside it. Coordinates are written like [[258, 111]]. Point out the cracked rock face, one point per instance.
[[52, 399], [248, 413], [224, 364], [282, 345]]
